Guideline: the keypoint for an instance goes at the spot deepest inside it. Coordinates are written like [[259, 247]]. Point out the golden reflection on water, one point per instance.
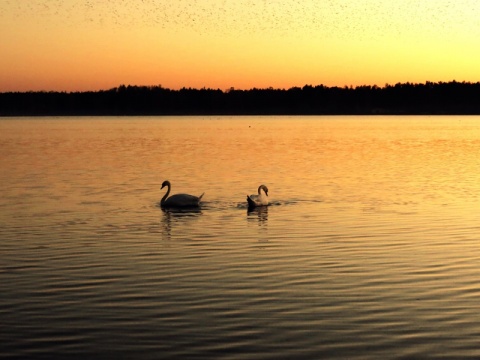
[[371, 233], [404, 160], [373, 161]]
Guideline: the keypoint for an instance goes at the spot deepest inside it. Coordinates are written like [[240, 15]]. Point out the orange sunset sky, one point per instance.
[[79, 45]]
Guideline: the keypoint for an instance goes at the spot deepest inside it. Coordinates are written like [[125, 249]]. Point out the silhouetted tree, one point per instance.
[[402, 98]]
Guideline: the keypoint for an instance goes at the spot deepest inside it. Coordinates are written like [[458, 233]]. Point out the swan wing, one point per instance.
[[257, 200], [262, 200], [182, 200], [251, 202]]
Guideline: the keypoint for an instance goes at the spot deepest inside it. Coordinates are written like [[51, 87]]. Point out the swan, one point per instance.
[[260, 199], [178, 200]]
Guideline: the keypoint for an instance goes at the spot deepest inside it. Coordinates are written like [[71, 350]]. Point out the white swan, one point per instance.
[[258, 200], [179, 200]]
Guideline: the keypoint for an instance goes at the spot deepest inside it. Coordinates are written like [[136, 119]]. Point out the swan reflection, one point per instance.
[[260, 213], [173, 217]]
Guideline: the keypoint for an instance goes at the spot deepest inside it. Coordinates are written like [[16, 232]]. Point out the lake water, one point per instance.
[[370, 247]]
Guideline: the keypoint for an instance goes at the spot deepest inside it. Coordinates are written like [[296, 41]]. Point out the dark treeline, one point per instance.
[[403, 98]]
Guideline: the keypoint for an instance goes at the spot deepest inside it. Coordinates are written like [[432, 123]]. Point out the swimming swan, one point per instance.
[[260, 199], [178, 200]]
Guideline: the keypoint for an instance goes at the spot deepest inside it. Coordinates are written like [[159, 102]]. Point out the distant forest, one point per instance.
[[443, 98]]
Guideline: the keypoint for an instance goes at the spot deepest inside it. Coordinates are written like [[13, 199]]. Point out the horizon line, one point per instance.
[[232, 88]]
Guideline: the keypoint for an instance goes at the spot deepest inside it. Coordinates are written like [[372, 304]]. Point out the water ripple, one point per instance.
[[369, 248]]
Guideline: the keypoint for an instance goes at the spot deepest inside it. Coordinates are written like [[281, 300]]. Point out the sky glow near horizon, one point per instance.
[[80, 45]]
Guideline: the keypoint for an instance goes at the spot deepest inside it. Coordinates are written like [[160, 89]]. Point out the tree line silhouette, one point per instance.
[[442, 98]]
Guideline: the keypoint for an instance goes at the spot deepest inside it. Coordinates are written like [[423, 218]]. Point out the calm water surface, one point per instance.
[[370, 248]]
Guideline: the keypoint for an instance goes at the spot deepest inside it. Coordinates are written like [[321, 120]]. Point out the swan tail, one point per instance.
[[200, 197], [251, 203]]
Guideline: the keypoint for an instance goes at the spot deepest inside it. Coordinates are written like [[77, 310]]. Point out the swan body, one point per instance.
[[178, 201], [258, 200]]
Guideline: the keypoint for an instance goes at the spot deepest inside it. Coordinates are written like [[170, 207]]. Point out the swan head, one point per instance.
[[165, 183], [264, 187]]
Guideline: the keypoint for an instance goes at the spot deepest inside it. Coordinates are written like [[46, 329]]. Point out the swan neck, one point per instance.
[[166, 195]]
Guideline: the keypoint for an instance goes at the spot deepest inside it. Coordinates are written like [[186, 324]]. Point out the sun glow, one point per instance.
[[74, 45]]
